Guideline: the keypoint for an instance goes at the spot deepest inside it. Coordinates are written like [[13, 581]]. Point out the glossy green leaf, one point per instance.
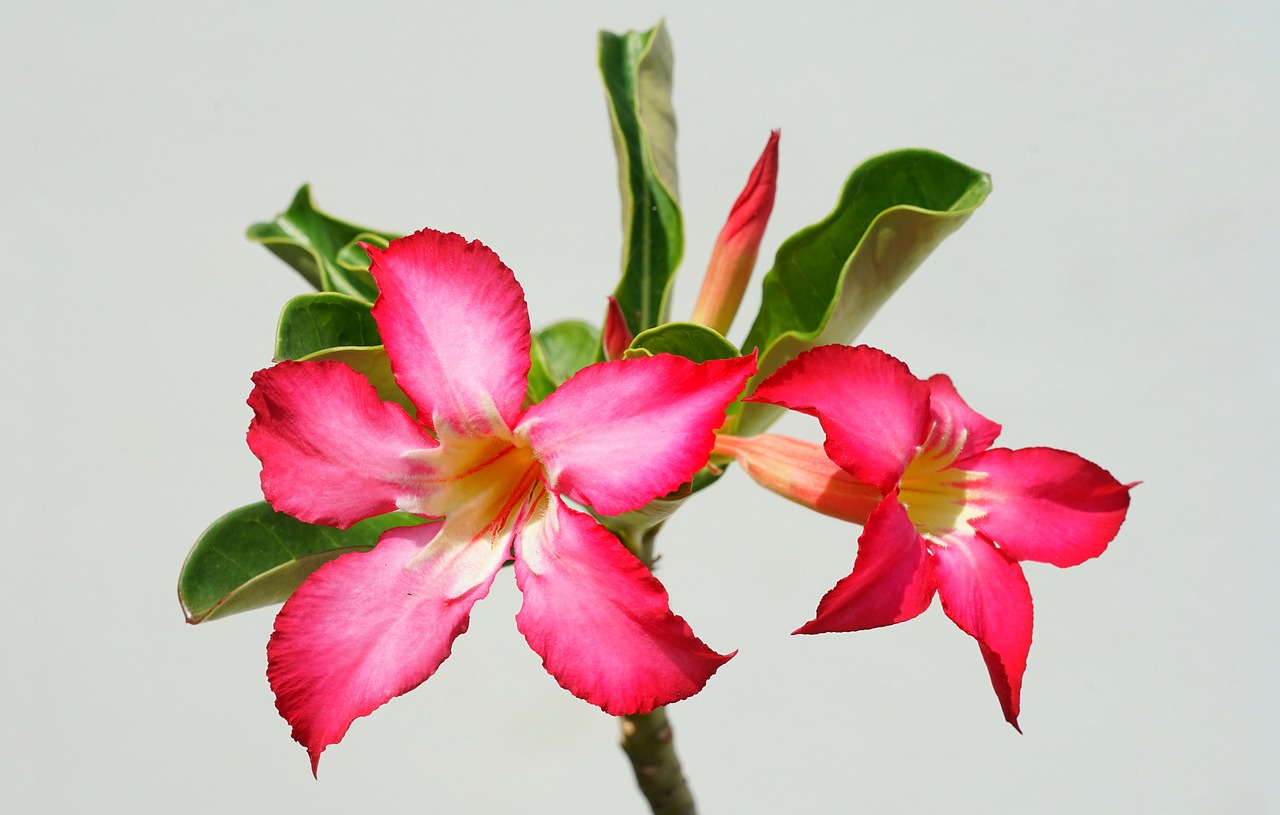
[[557, 352], [253, 557], [374, 364], [829, 279], [320, 247], [310, 323], [636, 69], [688, 340]]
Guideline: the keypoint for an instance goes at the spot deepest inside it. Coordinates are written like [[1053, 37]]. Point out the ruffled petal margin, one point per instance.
[[1047, 505], [332, 452], [874, 411], [892, 577], [369, 626], [456, 328], [619, 434], [986, 594], [599, 620]]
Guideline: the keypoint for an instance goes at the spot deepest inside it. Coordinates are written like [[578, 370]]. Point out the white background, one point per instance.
[[1115, 297]]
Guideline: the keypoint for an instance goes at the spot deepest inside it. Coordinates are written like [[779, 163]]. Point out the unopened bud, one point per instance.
[[734, 255]]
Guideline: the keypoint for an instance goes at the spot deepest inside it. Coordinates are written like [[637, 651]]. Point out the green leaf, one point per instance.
[[688, 340], [557, 352], [636, 69], [321, 248], [310, 323], [253, 557], [829, 279]]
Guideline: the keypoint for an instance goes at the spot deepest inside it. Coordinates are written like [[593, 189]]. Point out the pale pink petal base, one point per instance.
[[1047, 505], [365, 628], [892, 578], [874, 411], [619, 434], [599, 620], [986, 594], [332, 452]]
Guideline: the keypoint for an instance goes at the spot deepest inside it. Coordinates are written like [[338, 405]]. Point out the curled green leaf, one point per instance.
[[829, 279], [320, 247], [636, 68]]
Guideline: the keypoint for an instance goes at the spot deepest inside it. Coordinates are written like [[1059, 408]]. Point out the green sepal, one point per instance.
[[311, 323], [254, 556], [321, 248], [636, 69], [556, 353], [829, 279]]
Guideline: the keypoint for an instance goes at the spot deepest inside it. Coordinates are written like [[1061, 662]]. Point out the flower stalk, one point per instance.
[[646, 737]]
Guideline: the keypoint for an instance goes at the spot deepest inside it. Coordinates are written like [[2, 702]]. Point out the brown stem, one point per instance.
[[646, 737]]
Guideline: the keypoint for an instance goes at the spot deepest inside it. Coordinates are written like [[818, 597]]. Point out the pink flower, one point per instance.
[[370, 626], [943, 511], [734, 255]]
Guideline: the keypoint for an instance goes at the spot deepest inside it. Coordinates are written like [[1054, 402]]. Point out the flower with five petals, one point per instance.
[[370, 626], [943, 512]]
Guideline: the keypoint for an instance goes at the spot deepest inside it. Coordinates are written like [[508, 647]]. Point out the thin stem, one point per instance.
[[646, 737]]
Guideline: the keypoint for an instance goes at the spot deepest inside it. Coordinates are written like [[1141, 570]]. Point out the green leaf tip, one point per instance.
[[320, 247]]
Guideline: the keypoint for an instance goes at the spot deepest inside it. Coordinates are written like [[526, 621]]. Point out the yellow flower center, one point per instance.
[[937, 495], [479, 484]]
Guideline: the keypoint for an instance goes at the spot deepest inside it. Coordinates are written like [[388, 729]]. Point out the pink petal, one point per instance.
[[985, 594], [892, 578], [599, 620], [619, 434], [1047, 505], [875, 413], [369, 626], [332, 453], [956, 425], [456, 328]]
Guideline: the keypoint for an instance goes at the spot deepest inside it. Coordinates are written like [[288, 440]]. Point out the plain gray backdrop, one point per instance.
[[1115, 297]]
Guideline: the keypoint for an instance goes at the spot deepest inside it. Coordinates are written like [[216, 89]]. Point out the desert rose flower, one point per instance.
[[370, 626], [943, 512]]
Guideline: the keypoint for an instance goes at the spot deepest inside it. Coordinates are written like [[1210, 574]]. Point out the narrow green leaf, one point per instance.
[[253, 557], [310, 323], [636, 69], [320, 247], [829, 279], [557, 352]]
